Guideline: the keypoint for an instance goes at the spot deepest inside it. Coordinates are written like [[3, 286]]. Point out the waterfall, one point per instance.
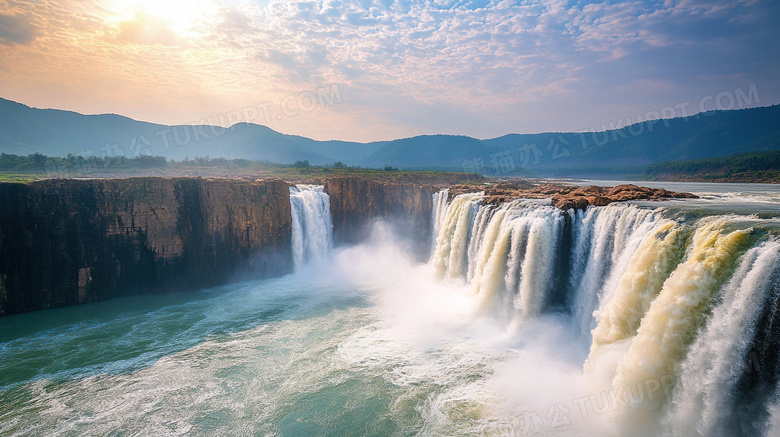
[[758, 387], [439, 210], [706, 394], [514, 263], [679, 311], [510, 254], [648, 267], [449, 257], [506, 253], [312, 227], [668, 300], [610, 235]]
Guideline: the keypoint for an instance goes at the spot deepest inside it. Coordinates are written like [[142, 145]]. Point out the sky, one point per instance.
[[366, 70]]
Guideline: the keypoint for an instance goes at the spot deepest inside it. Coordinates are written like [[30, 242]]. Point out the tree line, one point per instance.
[[35, 162], [721, 166]]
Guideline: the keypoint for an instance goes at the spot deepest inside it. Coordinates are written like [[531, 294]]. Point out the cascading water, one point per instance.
[[506, 253], [450, 255], [610, 236], [312, 226], [715, 361], [679, 311], [641, 281], [677, 314], [439, 210], [516, 248]]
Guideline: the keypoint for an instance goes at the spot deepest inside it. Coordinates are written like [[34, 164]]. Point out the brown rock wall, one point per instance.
[[64, 242]]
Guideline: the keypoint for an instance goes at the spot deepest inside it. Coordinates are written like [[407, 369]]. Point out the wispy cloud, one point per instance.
[[16, 29]]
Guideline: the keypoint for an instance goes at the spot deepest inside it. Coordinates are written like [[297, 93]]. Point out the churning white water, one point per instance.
[[312, 227]]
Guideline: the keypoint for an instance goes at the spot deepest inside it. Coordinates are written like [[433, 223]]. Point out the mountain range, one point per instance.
[[25, 130]]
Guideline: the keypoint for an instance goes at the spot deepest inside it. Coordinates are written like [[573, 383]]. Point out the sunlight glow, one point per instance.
[[186, 18]]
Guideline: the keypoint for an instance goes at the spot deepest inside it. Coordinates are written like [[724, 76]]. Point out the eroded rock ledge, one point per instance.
[[65, 242], [569, 196], [356, 201]]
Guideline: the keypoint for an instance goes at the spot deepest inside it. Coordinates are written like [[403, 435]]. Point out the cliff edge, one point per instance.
[[356, 201], [64, 242]]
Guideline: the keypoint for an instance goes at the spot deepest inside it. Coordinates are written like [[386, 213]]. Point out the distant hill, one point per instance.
[[429, 151], [25, 130], [744, 167], [717, 133]]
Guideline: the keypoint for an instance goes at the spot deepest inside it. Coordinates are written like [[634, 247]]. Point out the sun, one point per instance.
[[185, 17]]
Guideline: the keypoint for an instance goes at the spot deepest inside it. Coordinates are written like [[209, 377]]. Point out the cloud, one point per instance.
[[145, 29], [457, 66], [16, 29]]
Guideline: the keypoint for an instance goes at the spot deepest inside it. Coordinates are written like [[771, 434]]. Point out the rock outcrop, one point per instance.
[[355, 201], [65, 242], [570, 196]]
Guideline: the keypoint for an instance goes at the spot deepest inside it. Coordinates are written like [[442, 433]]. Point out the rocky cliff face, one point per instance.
[[64, 242], [355, 201]]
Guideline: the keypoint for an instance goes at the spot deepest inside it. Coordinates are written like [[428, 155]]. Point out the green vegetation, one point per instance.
[[21, 178], [744, 167], [301, 164], [38, 162], [16, 168]]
